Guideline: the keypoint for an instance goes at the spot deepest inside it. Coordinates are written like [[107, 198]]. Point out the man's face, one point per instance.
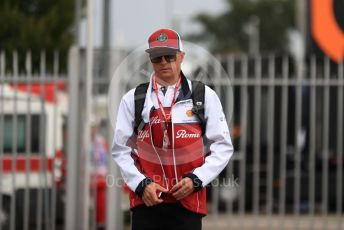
[[167, 65]]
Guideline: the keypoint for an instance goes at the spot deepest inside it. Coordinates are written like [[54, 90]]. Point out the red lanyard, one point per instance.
[[167, 117]]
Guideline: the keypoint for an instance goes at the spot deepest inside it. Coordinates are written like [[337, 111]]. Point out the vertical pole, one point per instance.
[[298, 150], [243, 135], [40, 150], [283, 140], [106, 34], [271, 139], [339, 173], [299, 62], [2, 99], [88, 109], [28, 66], [14, 140], [257, 139], [73, 150], [55, 128], [77, 22], [114, 190], [43, 154], [301, 19], [254, 35], [229, 169], [325, 139], [312, 143]]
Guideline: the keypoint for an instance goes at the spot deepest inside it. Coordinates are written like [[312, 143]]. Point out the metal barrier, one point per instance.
[[32, 111], [287, 129], [286, 126]]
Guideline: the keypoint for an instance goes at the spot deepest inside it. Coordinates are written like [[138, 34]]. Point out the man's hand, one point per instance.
[[150, 194], [183, 188]]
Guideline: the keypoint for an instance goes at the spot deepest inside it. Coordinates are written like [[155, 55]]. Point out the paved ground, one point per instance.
[[248, 222], [226, 222]]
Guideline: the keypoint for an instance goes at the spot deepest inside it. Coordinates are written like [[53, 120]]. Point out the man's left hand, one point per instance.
[[183, 188]]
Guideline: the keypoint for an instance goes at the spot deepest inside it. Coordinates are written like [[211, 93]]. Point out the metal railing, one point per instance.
[[287, 127], [31, 119]]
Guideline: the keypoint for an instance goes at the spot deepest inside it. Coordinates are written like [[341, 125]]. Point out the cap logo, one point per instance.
[[162, 37]]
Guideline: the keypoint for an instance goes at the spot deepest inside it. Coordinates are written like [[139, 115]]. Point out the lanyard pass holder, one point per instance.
[[165, 140]]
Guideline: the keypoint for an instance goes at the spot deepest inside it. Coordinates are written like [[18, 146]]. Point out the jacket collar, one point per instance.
[[184, 94]]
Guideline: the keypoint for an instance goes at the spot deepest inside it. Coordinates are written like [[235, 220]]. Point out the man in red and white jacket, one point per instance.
[[165, 166]]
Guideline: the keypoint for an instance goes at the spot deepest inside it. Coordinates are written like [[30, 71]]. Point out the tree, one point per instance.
[[36, 25], [228, 32]]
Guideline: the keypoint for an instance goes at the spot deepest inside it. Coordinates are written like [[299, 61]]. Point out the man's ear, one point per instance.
[[182, 55]]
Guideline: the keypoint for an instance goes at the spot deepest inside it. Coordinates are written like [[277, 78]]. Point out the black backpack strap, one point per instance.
[[140, 96], [198, 95]]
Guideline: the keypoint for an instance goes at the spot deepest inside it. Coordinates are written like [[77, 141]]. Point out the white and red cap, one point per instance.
[[164, 39]]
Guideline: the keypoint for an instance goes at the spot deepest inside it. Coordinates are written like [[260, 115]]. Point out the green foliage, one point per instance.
[[36, 25], [226, 32]]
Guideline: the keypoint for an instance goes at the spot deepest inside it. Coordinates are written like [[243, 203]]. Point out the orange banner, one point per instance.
[[325, 29]]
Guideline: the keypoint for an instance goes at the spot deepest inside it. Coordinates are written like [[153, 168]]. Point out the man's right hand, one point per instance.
[[150, 194]]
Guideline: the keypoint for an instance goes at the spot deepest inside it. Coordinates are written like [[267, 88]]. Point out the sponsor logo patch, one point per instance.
[[189, 113], [142, 135], [183, 134], [155, 120]]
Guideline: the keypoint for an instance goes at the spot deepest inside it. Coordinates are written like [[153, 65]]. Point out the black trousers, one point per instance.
[[165, 216]]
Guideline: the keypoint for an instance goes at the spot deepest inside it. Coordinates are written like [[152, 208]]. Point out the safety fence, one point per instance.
[[33, 110]]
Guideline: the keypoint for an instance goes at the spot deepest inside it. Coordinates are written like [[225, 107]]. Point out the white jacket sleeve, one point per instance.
[[121, 153], [217, 132]]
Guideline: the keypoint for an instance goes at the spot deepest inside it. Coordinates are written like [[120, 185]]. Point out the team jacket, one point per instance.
[[185, 154]]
